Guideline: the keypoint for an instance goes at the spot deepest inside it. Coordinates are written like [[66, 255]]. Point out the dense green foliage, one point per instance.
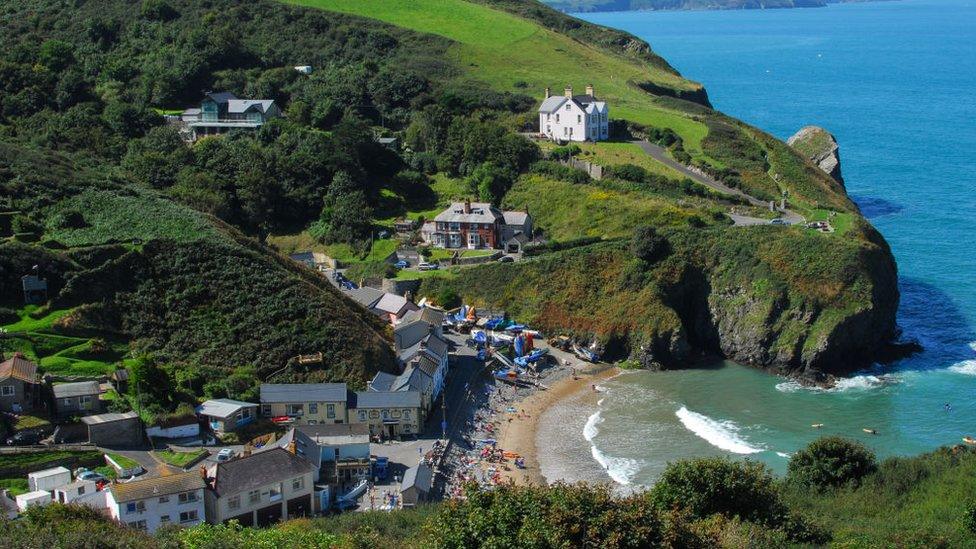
[[831, 462]]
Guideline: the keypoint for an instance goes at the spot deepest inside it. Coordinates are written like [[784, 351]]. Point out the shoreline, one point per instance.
[[518, 431]]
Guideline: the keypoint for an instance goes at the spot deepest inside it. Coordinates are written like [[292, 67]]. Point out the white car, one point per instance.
[[424, 266], [225, 455]]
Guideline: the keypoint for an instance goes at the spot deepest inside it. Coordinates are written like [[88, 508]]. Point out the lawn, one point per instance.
[[841, 222], [28, 421], [179, 459], [15, 486], [122, 461], [502, 49], [445, 190], [609, 153], [344, 253], [442, 254], [21, 464]]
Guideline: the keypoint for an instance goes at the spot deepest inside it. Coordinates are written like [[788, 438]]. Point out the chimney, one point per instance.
[[467, 205], [589, 90], [568, 92], [548, 92]]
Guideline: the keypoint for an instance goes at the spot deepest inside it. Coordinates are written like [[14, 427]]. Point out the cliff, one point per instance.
[[820, 147]]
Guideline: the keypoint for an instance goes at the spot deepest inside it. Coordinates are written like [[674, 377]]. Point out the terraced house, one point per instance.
[[155, 502], [260, 489], [305, 403], [389, 414]]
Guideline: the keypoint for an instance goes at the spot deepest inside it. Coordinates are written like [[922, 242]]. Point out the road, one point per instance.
[[660, 154]]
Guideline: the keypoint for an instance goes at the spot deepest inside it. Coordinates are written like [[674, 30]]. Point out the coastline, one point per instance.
[[519, 435]]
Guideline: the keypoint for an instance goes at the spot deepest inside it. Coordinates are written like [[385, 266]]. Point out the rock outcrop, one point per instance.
[[820, 147]]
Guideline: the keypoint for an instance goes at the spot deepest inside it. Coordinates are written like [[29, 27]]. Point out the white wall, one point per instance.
[[180, 431], [155, 510]]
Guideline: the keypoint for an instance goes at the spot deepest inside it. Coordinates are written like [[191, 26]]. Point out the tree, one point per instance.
[[647, 245], [491, 182], [831, 462], [56, 55], [345, 214]]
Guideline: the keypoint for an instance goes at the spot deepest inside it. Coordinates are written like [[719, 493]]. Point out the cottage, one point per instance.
[[389, 414], [366, 296], [412, 379], [420, 346], [517, 223], [305, 403], [516, 243], [225, 415], [154, 502], [574, 117], [417, 483], [393, 307], [472, 225], [19, 385], [261, 489], [115, 430], [340, 453], [222, 112], [79, 398]]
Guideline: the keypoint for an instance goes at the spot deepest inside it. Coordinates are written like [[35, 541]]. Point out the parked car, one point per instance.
[[506, 259], [424, 266], [402, 264], [225, 455], [348, 285], [25, 438], [778, 221], [91, 475]]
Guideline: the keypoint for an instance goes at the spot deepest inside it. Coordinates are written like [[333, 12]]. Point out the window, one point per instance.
[[135, 507], [85, 400], [188, 497], [330, 411], [567, 106], [189, 516], [557, 118], [294, 409], [373, 414], [579, 118], [7, 390], [254, 496], [406, 414], [66, 401], [164, 499], [362, 415], [406, 428], [234, 502], [266, 410], [81, 490], [138, 525], [298, 483], [396, 414], [386, 414], [313, 408], [275, 493], [164, 519]]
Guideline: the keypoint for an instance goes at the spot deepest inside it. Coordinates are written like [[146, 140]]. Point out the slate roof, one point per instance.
[[391, 303], [481, 212], [430, 345], [257, 470], [382, 381], [221, 97], [552, 103], [419, 476], [365, 296], [302, 392], [428, 365], [81, 388], [335, 434], [157, 486], [515, 218], [413, 379], [108, 418], [20, 368], [240, 106], [222, 407], [384, 399]]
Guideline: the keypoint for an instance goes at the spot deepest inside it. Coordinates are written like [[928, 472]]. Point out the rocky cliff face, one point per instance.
[[820, 147]]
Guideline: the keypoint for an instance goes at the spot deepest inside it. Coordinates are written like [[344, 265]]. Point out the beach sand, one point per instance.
[[519, 434]]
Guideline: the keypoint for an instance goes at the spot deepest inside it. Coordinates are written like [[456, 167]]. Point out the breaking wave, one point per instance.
[[621, 470], [721, 434], [590, 430], [862, 383]]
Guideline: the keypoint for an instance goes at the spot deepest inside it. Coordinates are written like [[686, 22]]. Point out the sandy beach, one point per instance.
[[517, 431]]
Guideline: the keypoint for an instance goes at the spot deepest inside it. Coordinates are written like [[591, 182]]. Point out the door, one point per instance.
[[269, 515]]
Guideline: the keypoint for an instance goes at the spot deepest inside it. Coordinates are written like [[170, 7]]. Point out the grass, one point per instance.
[[15, 486], [446, 273], [445, 190], [443, 254], [179, 459], [30, 421], [21, 464], [344, 253], [502, 49], [122, 461], [609, 153], [57, 353]]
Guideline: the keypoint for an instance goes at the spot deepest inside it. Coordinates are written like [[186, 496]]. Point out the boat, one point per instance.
[[969, 440], [817, 425], [870, 431], [585, 353]]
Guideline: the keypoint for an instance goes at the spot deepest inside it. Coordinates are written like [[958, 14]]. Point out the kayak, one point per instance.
[[969, 440]]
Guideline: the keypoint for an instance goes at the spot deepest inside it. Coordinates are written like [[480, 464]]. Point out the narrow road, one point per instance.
[[660, 154]]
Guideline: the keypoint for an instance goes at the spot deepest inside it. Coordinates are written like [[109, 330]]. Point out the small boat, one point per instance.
[[870, 431], [969, 440], [817, 425]]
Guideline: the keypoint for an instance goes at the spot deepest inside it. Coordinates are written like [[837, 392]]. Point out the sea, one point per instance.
[[895, 82]]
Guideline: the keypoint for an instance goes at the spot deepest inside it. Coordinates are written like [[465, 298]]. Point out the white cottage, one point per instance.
[[574, 117]]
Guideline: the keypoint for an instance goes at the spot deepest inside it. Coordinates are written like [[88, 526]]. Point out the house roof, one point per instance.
[[419, 476], [430, 345], [515, 218], [412, 379], [519, 237], [382, 381], [552, 103], [20, 368], [49, 472], [240, 106], [385, 399], [77, 484], [108, 418], [303, 392], [257, 470], [431, 315], [221, 97], [596, 106], [222, 407], [121, 374], [366, 296], [157, 486], [428, 365], [336, 434], [481, 212], [393, 304], [80, 388]]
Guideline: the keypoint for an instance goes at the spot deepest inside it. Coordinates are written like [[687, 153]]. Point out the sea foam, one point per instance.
[[855, 383], [721, 434], [590, 430], [621, 470]]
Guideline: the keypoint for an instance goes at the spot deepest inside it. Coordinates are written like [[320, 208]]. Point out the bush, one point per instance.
[[565, 153], [557, 171], [708, 486], [831, 462], [648, 245], [627, 172], [448, 298]]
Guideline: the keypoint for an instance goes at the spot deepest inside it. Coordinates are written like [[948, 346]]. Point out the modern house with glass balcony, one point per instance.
[[222, 112]]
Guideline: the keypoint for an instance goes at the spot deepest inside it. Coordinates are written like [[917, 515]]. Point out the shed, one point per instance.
[[114, 429], [30, 499], [48, 479], [225, 415], [417, 483]]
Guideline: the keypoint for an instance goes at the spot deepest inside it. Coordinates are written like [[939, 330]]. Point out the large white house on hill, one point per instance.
[[574, 117]]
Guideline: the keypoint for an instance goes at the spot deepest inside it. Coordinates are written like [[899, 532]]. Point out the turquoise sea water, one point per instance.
[[896, 83]]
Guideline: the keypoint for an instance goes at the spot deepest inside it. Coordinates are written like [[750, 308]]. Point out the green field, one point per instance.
[[36, 336], [609, 153], [502, 49]]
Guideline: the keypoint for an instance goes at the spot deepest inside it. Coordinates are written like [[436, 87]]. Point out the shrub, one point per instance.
[[564, 153], [555, 170], [627, 172], [708, 486], [648, 245], [448, 298], [831, 462], [970, 516]]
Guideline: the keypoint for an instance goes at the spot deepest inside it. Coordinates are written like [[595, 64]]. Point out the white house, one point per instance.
[[151, 503], [574, 117]]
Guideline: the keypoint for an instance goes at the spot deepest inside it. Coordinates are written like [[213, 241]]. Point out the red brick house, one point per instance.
[[469, 225]]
